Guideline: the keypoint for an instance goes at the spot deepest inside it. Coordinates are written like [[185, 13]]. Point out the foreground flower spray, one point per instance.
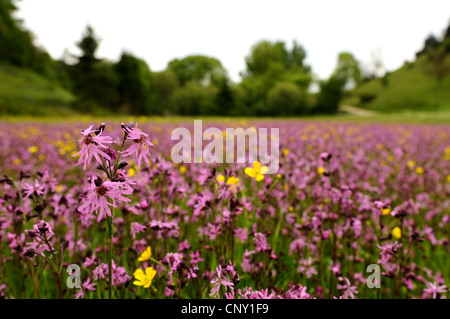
[[105, 194]]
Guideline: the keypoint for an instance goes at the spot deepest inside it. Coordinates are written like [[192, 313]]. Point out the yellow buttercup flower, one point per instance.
[[386, 211], [232, 180], [131, 172], [285, 152], [397, 233], [411, 164], [448, 178], [33, 149], [321, 170], [146, 255], [419, 170], [182, 169], [142, 279], [17, 161], [257, 172]]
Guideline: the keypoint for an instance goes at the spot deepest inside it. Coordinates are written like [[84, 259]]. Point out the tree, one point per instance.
[[94, 81], [348, 70], [16, 43], [330, 95], [265, 54], [224, 100], [437, 64], [194, 99], [285, 99], [199, 69], [267, 64], [430, 44], [135, 81], [88, 46], [164, 85]]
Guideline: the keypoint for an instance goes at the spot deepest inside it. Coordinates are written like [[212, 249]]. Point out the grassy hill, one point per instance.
[[25, 92], [408, 88]]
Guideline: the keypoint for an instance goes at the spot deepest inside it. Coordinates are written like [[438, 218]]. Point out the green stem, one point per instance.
[[58, 277], [110, 231], [35, 286]]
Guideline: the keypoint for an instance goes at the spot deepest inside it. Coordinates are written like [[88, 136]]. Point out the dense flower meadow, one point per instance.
[[108, 198]]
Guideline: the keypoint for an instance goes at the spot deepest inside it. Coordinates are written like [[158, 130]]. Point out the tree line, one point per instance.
[[276, 80], [275, 83]]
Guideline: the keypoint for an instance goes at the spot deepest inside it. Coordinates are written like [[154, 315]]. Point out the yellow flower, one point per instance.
[[321, 170], [285, 152], [397, 233], [411, 164], [386, 211], [33, 149], [17, 161], [144, 280], [257, 172], [41, 157], [232, 180], [278, 175], [448, 178], [146, 254], [419, 170], [131, 172], [182, 169]]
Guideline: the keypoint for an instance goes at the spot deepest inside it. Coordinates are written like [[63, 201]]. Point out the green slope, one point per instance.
[[408, 88], [25, 92]]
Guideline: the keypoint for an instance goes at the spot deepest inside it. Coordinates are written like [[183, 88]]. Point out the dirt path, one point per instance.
[[353, 110]]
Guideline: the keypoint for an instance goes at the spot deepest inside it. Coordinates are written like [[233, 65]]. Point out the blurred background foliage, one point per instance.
[[276, 81]]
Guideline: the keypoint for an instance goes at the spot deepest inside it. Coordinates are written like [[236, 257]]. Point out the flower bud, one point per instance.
[[122, 165]]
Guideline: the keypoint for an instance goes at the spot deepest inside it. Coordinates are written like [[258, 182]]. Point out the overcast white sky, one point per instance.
[[159, 31]]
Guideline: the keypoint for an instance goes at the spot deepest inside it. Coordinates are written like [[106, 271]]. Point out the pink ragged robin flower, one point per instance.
[[36, 188], [141, 146], [99, 194], [434, 289], [93, 145]]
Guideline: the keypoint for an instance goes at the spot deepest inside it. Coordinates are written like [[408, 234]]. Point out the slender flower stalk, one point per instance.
[[103, 196]]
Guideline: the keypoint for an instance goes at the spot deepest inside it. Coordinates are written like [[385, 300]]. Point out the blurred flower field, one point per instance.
[[347, 195]]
